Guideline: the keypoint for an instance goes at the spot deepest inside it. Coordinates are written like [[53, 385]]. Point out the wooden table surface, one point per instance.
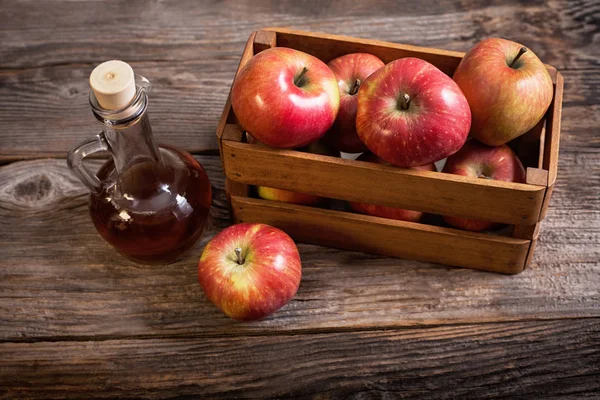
[[79, 321]]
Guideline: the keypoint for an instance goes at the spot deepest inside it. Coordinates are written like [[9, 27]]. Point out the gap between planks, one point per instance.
[[6, 159], [421, 325], [15, 71]]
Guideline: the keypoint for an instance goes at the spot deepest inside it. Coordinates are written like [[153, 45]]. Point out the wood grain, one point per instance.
[[543, 359], [265, 39], [191, 52], [185, 106], [550, 159], [79, 321], [375, 235], [327, 47], [560, 32], [83, 288], [432, 192], [534, 176]]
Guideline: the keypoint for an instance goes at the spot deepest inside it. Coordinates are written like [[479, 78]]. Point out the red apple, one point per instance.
[[288, 196], [250, 271], [285, 98], [350, 70], [481, 161], [383, 211], [508, 89], [410, 113]]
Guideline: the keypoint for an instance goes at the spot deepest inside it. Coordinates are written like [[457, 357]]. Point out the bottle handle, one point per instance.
[[75, 158]]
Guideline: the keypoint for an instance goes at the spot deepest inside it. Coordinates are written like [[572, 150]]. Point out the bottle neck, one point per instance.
[[127, 132], [132, 144]]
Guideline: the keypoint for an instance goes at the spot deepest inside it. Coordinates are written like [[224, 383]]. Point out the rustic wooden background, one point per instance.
[[79, 321]]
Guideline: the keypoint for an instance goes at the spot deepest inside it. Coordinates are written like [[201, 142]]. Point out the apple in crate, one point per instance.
[[288, 196], [285, 98], [410, 113], [481, 161], [351, 70], [384, 211], [508, 89], [249, 271]]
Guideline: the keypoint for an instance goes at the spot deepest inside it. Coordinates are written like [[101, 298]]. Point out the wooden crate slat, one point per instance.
[[552, 141], [351, 180], [227, 116], [327, 47], [383, 236]]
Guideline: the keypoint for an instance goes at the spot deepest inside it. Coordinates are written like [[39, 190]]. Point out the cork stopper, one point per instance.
[[113, 84]]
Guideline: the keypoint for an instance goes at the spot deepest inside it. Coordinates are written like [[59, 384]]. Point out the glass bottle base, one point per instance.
[[155, 212]]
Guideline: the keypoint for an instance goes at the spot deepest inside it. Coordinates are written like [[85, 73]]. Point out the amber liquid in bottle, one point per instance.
[[156, 211]]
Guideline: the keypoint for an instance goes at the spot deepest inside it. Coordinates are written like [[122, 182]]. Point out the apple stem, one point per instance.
[[522, 51], [298, 80], [238, 253], [355, 87], [404, 101]]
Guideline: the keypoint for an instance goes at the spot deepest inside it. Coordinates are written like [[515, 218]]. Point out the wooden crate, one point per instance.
[[521, 205]]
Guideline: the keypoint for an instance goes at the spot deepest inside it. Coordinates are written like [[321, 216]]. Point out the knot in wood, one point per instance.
[[32, 190]]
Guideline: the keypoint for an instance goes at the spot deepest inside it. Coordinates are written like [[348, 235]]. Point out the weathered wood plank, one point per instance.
[[191, 52], [342, 230], [58, 279], [535, 359], [60, 282], [188, 30], [343, 179], [185, 106]]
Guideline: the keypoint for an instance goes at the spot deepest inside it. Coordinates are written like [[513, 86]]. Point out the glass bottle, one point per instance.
[[149, 202]]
